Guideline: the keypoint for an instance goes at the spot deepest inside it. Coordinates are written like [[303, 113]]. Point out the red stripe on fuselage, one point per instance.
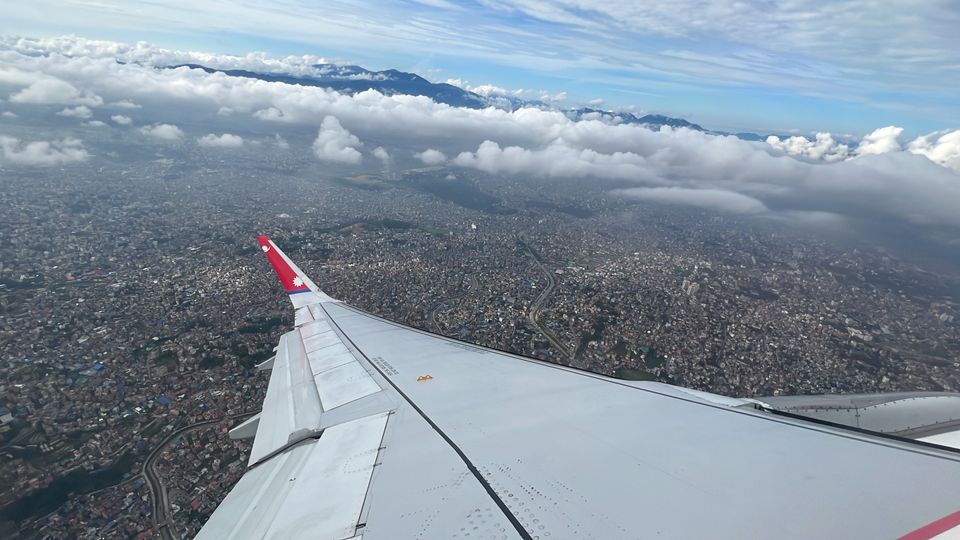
[[931, 530]]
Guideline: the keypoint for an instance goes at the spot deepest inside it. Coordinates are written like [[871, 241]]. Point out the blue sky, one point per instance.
[[847, 67]]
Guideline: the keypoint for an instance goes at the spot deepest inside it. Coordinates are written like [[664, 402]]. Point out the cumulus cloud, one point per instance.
[[792, 175], [164, 132], [557, 160], [225, 140], [494, 90], [122, 120], [487, 90], [143, 54], [431, 156], [96, 123], [80, 111], [387, 160], [555, 97], [334, 143], [880, 141], [381, 154], [713, 199], [53, 91], [896, 185], [124, 104], [822, 147], [280, 142], [942, 147], [42, 153], [8, 114]]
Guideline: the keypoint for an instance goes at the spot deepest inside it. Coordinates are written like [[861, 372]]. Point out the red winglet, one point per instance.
[[292, 283]]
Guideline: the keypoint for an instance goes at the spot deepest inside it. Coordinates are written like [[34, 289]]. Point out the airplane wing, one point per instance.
[[372, 429]]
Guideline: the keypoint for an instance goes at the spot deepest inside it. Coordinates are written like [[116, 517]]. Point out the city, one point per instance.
[[135, 305]]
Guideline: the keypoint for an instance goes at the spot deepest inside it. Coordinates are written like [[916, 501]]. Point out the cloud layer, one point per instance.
[[878, 178], [941, 147], [863, 54]]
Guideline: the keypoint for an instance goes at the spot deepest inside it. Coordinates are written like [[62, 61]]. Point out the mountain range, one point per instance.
[[349, 79]]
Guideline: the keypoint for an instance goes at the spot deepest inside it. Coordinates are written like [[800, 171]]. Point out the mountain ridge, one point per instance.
[[352, 79]]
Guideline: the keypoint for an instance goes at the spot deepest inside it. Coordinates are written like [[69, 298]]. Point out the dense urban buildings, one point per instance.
[[135, 304]]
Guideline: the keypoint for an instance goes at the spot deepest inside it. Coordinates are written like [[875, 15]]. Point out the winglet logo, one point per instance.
[[292, 282]]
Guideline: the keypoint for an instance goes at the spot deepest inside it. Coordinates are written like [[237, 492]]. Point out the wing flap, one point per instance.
[[312, 490], [302, 316], [338, 376], [291, 408], [313, 372], [345, 383]]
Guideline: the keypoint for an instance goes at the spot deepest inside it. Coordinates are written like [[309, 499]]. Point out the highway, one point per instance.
[[540, 300], [158, 492]]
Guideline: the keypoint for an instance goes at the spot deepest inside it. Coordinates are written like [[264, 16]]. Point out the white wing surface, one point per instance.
[[375, 430]]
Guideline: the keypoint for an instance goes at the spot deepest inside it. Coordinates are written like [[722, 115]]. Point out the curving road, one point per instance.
[[540, 300], [472, 286], [158, 492]]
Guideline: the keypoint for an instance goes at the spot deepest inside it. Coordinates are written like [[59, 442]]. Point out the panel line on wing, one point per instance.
[[338, 376], [463, 457], [870, 437], [315, 489]]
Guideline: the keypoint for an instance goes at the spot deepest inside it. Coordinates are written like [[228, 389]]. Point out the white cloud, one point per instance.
[[96, 123], [431, 156], [270, 114], [8, 114], [387, 160], [80, 111], [164, 132], [713, 199], [824, 49], [909, 185], [553, 98], [53, 91], [280, 142], [557, 160], [381, 154], [224, 111], [334, 143], [942, 147], [124, 104], [596, 102], [880, 141], [822, 147], [42, 153], [143, 54], [122, 120], [494, 90], [225, 140]]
